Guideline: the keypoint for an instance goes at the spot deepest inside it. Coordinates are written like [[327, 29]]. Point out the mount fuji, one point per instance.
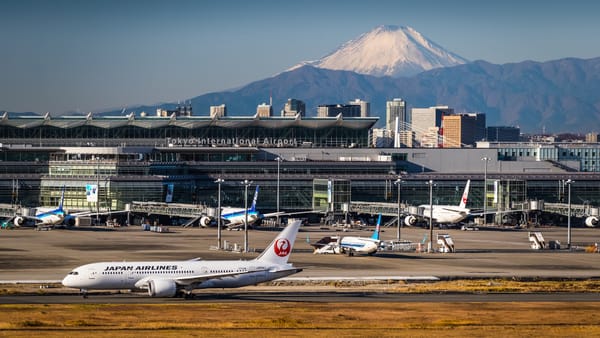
[[561, 95], [396, 51]]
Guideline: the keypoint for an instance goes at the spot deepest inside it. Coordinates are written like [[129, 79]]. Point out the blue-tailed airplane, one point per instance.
[[235, 217], [350, 244], [45, 216]]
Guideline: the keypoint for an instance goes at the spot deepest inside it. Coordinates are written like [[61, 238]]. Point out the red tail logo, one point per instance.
[[282, 247]]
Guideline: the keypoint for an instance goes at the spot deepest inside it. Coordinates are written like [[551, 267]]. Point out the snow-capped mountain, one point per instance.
[[388, 51]]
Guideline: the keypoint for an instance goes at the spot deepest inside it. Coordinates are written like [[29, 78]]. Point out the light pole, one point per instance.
[[430, 246], [97, 189], [278, 159], [398, 182], [246, 183], [569, 182], [219, 181], [486, 160]]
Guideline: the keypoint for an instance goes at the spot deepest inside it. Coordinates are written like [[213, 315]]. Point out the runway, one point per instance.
[[307, 297]]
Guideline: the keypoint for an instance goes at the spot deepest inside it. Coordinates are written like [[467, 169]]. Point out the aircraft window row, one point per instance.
[[138, 272], [221, 271]]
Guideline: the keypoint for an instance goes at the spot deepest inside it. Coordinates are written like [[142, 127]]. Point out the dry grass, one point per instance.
[[292, 319], [303, 319]]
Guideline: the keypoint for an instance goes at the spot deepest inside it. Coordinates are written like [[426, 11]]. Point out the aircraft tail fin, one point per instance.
[[62, 199], [375, 235], [465, 196], [280, 248], [253, 207]]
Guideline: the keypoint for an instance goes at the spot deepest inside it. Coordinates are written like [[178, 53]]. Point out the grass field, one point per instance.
[[294, 319], [303, 319]]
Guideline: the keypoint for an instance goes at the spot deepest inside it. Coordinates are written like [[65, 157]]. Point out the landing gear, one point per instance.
[[186, 294], [83, 293]]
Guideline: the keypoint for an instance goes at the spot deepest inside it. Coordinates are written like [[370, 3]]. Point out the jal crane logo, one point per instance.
[[282, 247]]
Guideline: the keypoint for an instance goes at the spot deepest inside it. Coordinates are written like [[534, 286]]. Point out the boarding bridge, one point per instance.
[[537, 240], [446, 243], [375, 208], [9, 210], [171, 209]]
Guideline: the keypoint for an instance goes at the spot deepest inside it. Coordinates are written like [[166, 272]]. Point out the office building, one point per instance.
[[218, 111], [333, 110], [424, 121], [294, 107], [365, 107], [460, 130], [503, 134], [264, 110]]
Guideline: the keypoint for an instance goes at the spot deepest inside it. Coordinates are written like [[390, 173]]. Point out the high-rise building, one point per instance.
[[382, 138], [180, 110], [293, 107], [393, 109], [333, 110], [591, 137], [422, 119], [365, 107], [503, 134], [264, 110], [463, 129], [218, 111]]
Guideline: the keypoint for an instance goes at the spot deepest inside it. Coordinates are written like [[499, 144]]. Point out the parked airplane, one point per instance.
[[445, 214], [172, 278], [44, 216], [350, 244], [233, 217]]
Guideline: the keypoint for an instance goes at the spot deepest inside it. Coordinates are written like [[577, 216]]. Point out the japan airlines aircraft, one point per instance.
[[172, 278], [445, 214]]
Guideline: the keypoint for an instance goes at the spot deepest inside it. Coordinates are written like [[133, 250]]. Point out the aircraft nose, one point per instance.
[[70, 281], [67, 281]]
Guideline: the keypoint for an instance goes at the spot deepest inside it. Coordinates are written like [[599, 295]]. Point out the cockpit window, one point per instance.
[[74, 273]]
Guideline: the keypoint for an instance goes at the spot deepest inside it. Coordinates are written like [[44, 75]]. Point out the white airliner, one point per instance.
[[237, 216], [444, 214], [45, 216], [350, 244], [172, 278]]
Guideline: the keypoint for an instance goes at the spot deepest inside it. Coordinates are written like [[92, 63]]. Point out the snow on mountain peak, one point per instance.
[[388, 51]]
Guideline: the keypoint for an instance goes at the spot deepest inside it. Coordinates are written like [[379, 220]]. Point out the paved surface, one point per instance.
[[312, 297], [26, 254]]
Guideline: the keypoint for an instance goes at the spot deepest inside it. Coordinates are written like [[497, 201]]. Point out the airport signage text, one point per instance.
[[231, 142]]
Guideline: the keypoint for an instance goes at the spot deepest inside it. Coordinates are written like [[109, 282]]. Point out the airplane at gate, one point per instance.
[[237, 216], [445, 214], [172, 278], [44, 216]]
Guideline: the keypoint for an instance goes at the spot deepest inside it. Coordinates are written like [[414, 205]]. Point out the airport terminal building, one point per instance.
[[178, 159]]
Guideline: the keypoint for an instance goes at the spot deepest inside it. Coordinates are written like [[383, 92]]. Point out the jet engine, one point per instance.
[[18, 221], [410, 220], [205, 221], [591, 221], [162, 288]]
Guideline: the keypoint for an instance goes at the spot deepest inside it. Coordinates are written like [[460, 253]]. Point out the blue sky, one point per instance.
[[66, 55]]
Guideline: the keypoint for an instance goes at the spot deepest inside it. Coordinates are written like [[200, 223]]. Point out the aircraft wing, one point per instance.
[[187, 280], [201, 278], [283, 213]]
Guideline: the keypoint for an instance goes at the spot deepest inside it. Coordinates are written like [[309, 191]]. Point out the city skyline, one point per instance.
[[70, 56]]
